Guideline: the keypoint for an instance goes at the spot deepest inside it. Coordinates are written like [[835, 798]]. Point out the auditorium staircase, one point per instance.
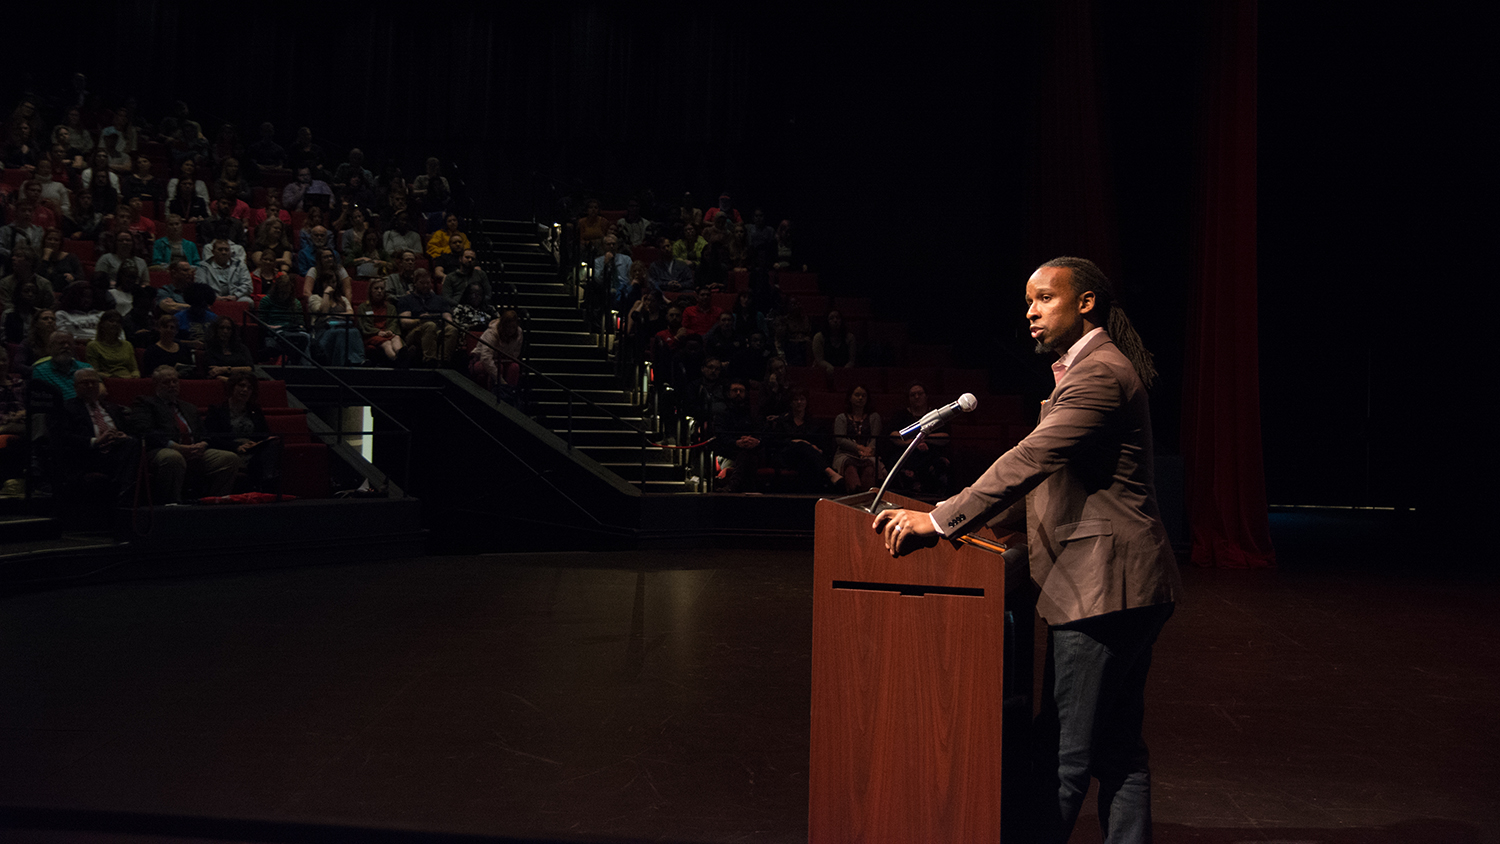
[[582, 395]]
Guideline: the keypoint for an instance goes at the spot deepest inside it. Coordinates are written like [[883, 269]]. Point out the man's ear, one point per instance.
[[1086, 302]]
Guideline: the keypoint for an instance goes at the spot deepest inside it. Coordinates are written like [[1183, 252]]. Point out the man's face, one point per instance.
[[674, 318], [711, 370], [1055, 312], [23, 216], [424, 284], [408, 263], [633, 210], [726, 322], [737, 393], [21, 264], [88, 386], [182, 274], [168, 386], [319, 236], [304, 176], [611, 244], [61, 350], [916, 396], [225, 207], [467, 259], [221, 253], [759, 218]]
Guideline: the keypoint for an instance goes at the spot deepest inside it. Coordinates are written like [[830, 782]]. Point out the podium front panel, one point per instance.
[[907, 687]]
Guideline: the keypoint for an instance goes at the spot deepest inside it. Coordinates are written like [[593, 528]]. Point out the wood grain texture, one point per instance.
[[906, 691]]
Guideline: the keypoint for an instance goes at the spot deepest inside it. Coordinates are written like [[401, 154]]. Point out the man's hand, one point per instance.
[[191, 450], [905, 530]]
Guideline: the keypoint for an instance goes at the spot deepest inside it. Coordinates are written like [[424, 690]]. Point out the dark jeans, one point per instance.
[[1090, 724]]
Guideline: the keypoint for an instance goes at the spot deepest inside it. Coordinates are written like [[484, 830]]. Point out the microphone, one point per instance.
[[965, 403]]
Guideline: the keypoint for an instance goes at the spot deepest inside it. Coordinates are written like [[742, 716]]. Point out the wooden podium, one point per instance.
[[907, 685]]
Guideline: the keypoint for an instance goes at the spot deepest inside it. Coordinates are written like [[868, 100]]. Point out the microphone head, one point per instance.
[[967, 402]]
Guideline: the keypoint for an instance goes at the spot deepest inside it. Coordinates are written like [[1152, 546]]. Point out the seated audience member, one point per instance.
[[338, 341], [785, 259], [120, 141], [56, 370], [80, 139], [304, 151], [689, 249], [702, 315], [166, 351], [223, 352], [353, 226], [99, 166], [109, 352], [124, 252], [725, 209], [273, 211], [51, 191], [271, 239], [187, 171], [265, 274], [591, 228], [747, 320], [719, 341], [801, 444], [687, 215], [612, 269], [833, 347], [317, 240], [295, 197], [636, 285], [400, 237], [427, 320], [224, 275], [78, 311], [21, 232], [359, 191], [926, 470], [140, 320], [714, 263], [85, 223], [34, 347], [431, 193], [21, 314], [196, 321], [326, 271], [445, 246], [708, 395], [856, 434], [367, 259], [468, 284], [379, 324], [775, 394], [793, 334], [43, 214], [231, 184], [761, 240], [187, 204], [266, 153], [23, 271], [668, 273], [738, 439], [749, 360], [354, 166], [739, 248], [403, 280], [647, 317], [171, 297], [93, 434], [496, 358], [632, 228], [141, 184], [176, 443], [130, 217], [285, 320], [668, 346], [220, 224], [239, 426], [173, 246], [126, 290]]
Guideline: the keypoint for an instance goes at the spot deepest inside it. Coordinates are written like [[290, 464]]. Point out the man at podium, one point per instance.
[[1099, 554]]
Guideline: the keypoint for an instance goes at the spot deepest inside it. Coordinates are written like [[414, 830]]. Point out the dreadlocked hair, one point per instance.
[[1087, 277]]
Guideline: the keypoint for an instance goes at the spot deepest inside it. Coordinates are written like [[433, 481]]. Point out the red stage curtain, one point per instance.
[[1221, 435]]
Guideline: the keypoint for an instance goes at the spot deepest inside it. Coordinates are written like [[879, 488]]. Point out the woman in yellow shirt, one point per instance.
[[109, 352]]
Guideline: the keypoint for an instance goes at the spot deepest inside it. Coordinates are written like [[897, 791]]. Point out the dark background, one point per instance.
[[925, 156]]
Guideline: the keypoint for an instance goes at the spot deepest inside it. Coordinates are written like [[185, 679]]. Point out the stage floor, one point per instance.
[[665, 696]]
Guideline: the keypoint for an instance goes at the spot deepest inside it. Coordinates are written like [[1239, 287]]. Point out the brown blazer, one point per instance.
[[1096, 539]]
